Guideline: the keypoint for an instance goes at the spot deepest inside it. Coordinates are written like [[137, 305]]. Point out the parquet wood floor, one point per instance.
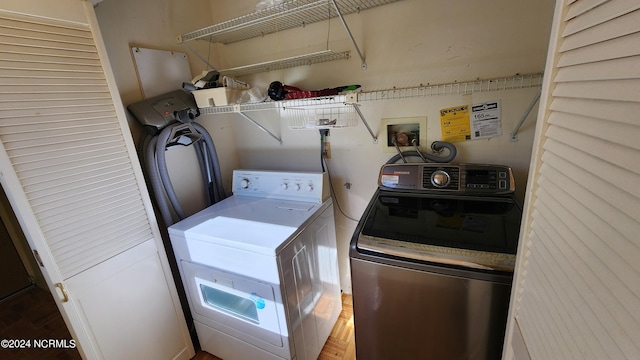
[[340, 345], [32, 315]]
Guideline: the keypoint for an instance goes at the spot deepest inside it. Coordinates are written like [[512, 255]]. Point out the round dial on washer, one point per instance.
[[440, 178], [244, 183]]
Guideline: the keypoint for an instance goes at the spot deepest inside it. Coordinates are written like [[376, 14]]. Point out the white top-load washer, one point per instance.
[[260, 267]]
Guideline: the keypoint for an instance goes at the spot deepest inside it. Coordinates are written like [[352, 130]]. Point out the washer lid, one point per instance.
[[475, 231]]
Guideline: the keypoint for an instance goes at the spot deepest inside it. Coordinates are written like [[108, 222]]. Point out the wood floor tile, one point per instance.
[[340, 345], [33, 315]]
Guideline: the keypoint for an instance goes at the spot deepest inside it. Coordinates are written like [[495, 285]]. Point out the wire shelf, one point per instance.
[[319, 113], [307, 59], [286, 15], [457, 88], [246, 107], [462, 88]]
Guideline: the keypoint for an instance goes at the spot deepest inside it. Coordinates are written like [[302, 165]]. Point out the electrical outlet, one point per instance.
[[326, 150]]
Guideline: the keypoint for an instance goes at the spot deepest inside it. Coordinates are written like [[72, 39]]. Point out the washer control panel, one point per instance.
[[462, 178], [284, 185]]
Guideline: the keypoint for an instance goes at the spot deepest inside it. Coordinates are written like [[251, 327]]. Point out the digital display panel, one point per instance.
[[480, 177]]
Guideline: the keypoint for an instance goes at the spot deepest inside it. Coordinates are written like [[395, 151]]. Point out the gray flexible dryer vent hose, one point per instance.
[[436, 146], [216, 191], [158, 176], [154, 180]]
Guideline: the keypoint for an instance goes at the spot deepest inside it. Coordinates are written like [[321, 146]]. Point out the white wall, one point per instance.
[[154, 24], [60, 9], [406, 44]]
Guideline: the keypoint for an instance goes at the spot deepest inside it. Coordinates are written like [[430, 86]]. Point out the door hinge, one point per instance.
[[38, 259]]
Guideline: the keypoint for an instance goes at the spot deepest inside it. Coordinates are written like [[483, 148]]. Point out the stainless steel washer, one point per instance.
[[432, 262]]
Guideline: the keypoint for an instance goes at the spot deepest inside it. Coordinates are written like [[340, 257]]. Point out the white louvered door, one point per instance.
[[68, 166], [577, 293]]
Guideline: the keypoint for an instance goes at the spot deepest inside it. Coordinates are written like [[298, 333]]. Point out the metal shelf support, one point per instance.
[[514, 133], [346, 27], [373, 136], [236, 109], [352, 99]]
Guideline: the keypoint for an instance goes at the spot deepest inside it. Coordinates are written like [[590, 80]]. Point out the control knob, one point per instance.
[[244, 183], [440, 178]]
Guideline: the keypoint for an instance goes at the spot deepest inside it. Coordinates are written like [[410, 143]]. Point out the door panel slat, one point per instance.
[[65, 143]]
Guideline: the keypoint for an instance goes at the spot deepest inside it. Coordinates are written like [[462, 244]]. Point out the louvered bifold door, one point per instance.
[[59, 128], [580, 293]]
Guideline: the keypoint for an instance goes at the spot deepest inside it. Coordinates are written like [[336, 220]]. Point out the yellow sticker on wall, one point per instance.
[[455, 124]]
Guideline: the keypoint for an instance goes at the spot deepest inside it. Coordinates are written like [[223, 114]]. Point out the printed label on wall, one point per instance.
[[454, 122], [485, 120]]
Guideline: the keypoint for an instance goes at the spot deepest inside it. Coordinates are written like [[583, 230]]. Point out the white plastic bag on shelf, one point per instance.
[[232, 83], [268, 3], [253, 95]]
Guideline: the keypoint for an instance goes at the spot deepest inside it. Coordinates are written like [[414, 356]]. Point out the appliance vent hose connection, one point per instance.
[[436, 146]]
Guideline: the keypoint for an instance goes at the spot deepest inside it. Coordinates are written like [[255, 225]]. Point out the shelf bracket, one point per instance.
[[346, 27], [514, 133], [198, 56], [237, 110], [364, 121]]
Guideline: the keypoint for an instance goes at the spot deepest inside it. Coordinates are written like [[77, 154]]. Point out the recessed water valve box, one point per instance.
[[405, 132]]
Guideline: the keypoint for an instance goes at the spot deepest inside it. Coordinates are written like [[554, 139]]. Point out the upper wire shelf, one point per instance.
[[286, 15], [307, 59]]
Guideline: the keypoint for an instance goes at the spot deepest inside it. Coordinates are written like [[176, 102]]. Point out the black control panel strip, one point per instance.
[[461, 178]]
